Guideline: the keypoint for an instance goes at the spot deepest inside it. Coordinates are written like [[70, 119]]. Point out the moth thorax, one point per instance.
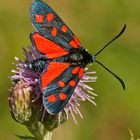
[[80, 57], [77, 57]]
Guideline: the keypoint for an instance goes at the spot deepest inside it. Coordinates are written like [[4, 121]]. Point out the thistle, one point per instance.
[[25, 101]]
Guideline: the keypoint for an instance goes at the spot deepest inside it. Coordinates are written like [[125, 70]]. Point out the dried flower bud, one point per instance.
[[20, 102]]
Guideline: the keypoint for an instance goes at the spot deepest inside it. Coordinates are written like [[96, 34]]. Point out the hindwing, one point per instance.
[[58, 82]]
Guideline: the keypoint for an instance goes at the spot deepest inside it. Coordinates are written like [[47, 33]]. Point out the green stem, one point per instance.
[[48, 135], [39, 132]]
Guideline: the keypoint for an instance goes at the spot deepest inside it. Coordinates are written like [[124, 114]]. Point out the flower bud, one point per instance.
[[20, 102]]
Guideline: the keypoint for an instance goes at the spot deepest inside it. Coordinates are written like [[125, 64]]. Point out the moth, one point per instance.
[[63, 58]]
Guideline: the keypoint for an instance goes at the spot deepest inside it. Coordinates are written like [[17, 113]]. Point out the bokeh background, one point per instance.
[[95, 22]]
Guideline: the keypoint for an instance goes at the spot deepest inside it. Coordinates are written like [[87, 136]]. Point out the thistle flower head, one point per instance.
[[30, 78], [26, 105]]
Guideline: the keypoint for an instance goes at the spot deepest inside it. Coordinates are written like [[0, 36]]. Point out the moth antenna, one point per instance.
[[117, 36], [117, 77]]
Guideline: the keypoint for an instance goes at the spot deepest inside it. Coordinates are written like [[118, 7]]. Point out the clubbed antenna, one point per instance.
[[117, 77], [117, 36]]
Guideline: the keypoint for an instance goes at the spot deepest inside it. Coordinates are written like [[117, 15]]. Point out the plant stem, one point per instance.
[[48, 135]]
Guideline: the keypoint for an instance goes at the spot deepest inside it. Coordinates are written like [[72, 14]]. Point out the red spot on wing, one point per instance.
[[62, 96], [48, 47], [73, 44], [61, 84], [72, 83], [81, 72], [77, 41], [51, 98], [75, 70], [53, 70], [39, 18], [50, 17], [64, 28], [54, 31]]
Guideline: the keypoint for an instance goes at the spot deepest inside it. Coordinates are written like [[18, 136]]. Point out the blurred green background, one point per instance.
[[95, 22]]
